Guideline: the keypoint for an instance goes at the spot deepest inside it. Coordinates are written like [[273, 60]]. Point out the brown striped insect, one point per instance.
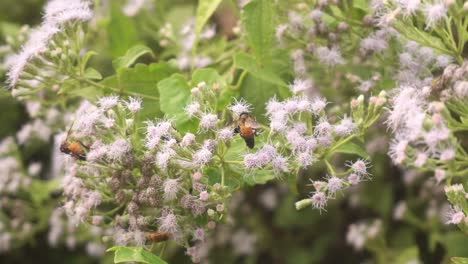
[[157, 236], [75, 149], [247, 128]]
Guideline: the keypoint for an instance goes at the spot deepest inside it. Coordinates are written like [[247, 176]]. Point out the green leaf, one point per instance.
[[131, 56], [175, 95], [247, 62], [140, 81], [231, 178], [351, 148], [259, 177], [121, 31], [257, 18], [336, 11], [89, 93], [407, 255], [40, 190], [419, 36], [207, 75], [458, 260], [329, 20], [361, 4], [205, 10], [455, 243], [138, 254], [92, 74], [464, 120], [86, 58]]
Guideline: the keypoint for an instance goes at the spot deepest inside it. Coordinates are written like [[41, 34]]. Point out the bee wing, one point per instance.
[[250, 122]]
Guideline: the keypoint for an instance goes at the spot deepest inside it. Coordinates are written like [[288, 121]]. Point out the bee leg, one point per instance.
[[257, 131], [83, 145], [237, 130], [80, 156]]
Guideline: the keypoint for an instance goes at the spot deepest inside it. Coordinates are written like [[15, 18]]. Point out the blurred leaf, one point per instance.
[[175, 95], [205, 10], [225, 98], [9, 29], [126, 254], [175, 13], [407, 255], [329, 20], [40, 190], [90, 93], [92, 74], [13, 114], [422, 37], [377, 196], [86, 58], [286, 216], [247, 62], [257, 18], [131, 56], [140, 81], [351, 148], [211, 76], [122, 31], [207, 75], [257, 92], [458, 260], [259, 177], [336, 11], [455, 243], [231, 179], [361, 4]]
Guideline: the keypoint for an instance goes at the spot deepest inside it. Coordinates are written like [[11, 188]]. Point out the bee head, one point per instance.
[[64, 147], [244, 115]]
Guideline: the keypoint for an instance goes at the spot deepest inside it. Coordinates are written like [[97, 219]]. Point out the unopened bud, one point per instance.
[[195, 91], [211, 212], [303, 204]]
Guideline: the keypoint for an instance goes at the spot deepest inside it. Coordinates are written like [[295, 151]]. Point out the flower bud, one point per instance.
[[303, 203], [211, 212]]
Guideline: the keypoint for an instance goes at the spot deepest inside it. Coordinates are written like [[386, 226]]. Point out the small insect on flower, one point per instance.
[[75, 148], [157, 236], [247, 128]]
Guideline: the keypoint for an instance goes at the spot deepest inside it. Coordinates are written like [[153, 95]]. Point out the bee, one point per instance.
[[439, 83], [74, 148], [247, 128], [157, 236]]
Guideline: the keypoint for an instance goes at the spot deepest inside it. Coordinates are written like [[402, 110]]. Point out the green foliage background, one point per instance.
[[284, 235]]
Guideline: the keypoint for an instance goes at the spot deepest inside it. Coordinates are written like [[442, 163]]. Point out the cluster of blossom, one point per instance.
[[457, 214], [420, 117], [414, 62], [49, 56], [326, 36], [307, 25], [146, 183], [18, 221], [303, 135], [432, 13]]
